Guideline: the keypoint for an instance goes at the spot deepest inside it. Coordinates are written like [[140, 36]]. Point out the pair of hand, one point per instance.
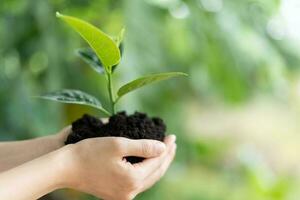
[[97, 166], [32, 168]]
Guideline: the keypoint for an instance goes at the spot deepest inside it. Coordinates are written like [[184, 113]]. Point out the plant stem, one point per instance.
[[111, 93], [108, 114]]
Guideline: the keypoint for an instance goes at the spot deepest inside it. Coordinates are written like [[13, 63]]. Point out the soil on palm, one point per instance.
[[135, 126]]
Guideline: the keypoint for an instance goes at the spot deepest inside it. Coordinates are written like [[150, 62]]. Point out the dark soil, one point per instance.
[[135, 126]]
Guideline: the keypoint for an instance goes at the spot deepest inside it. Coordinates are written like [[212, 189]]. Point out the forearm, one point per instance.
[[16, 153], [32, 179]]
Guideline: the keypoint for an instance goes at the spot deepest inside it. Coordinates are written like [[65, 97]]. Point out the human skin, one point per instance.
[[15, 153], [83, 166]]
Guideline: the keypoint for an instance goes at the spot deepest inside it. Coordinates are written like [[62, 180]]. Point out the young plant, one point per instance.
[[103, 56]]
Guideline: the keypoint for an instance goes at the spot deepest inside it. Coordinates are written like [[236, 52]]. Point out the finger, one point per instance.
[[148, 166], [142, 148], [66, 130], [105, 120], [63, 134], [150, 162], [170, 139], [160, 172], [165, 157]]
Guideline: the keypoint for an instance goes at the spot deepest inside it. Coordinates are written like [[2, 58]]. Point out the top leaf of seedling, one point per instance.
[[103, 45]]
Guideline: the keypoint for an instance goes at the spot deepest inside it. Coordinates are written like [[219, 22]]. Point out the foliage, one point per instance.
[[107, 56]]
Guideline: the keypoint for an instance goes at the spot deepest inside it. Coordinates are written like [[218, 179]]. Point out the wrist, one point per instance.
[[64, 167]]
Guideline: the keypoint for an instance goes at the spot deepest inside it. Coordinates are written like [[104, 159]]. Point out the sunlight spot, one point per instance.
[[276, 28], [11, 65], [180, 12], [211, 5]]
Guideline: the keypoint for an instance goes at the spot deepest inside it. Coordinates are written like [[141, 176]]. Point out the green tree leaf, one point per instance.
[[105, 48], [119, 39], [121, 48], [74, 97], [140, 82], [90, 57]]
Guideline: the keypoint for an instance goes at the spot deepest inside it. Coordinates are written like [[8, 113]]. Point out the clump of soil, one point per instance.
[[135, 126]]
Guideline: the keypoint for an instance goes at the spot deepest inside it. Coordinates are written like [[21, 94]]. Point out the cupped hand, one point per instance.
[[98, 166]]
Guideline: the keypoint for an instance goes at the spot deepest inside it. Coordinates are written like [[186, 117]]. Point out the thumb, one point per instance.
[[144, 148]]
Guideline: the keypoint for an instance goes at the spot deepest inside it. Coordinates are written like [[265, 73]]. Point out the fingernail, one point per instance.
[[173, 138]]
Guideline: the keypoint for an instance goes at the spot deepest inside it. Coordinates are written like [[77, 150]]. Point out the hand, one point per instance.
[[97, 166]]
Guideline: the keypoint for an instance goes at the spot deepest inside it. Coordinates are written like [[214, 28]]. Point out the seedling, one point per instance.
[[103, 56]]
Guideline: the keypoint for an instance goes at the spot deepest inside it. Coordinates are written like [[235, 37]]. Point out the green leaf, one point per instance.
[[121, 48], [74, 97], [90, 57], [140, 82], [105, 48], [120, 37]]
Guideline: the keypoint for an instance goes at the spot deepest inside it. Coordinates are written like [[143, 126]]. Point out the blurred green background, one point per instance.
[[236, 116]]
